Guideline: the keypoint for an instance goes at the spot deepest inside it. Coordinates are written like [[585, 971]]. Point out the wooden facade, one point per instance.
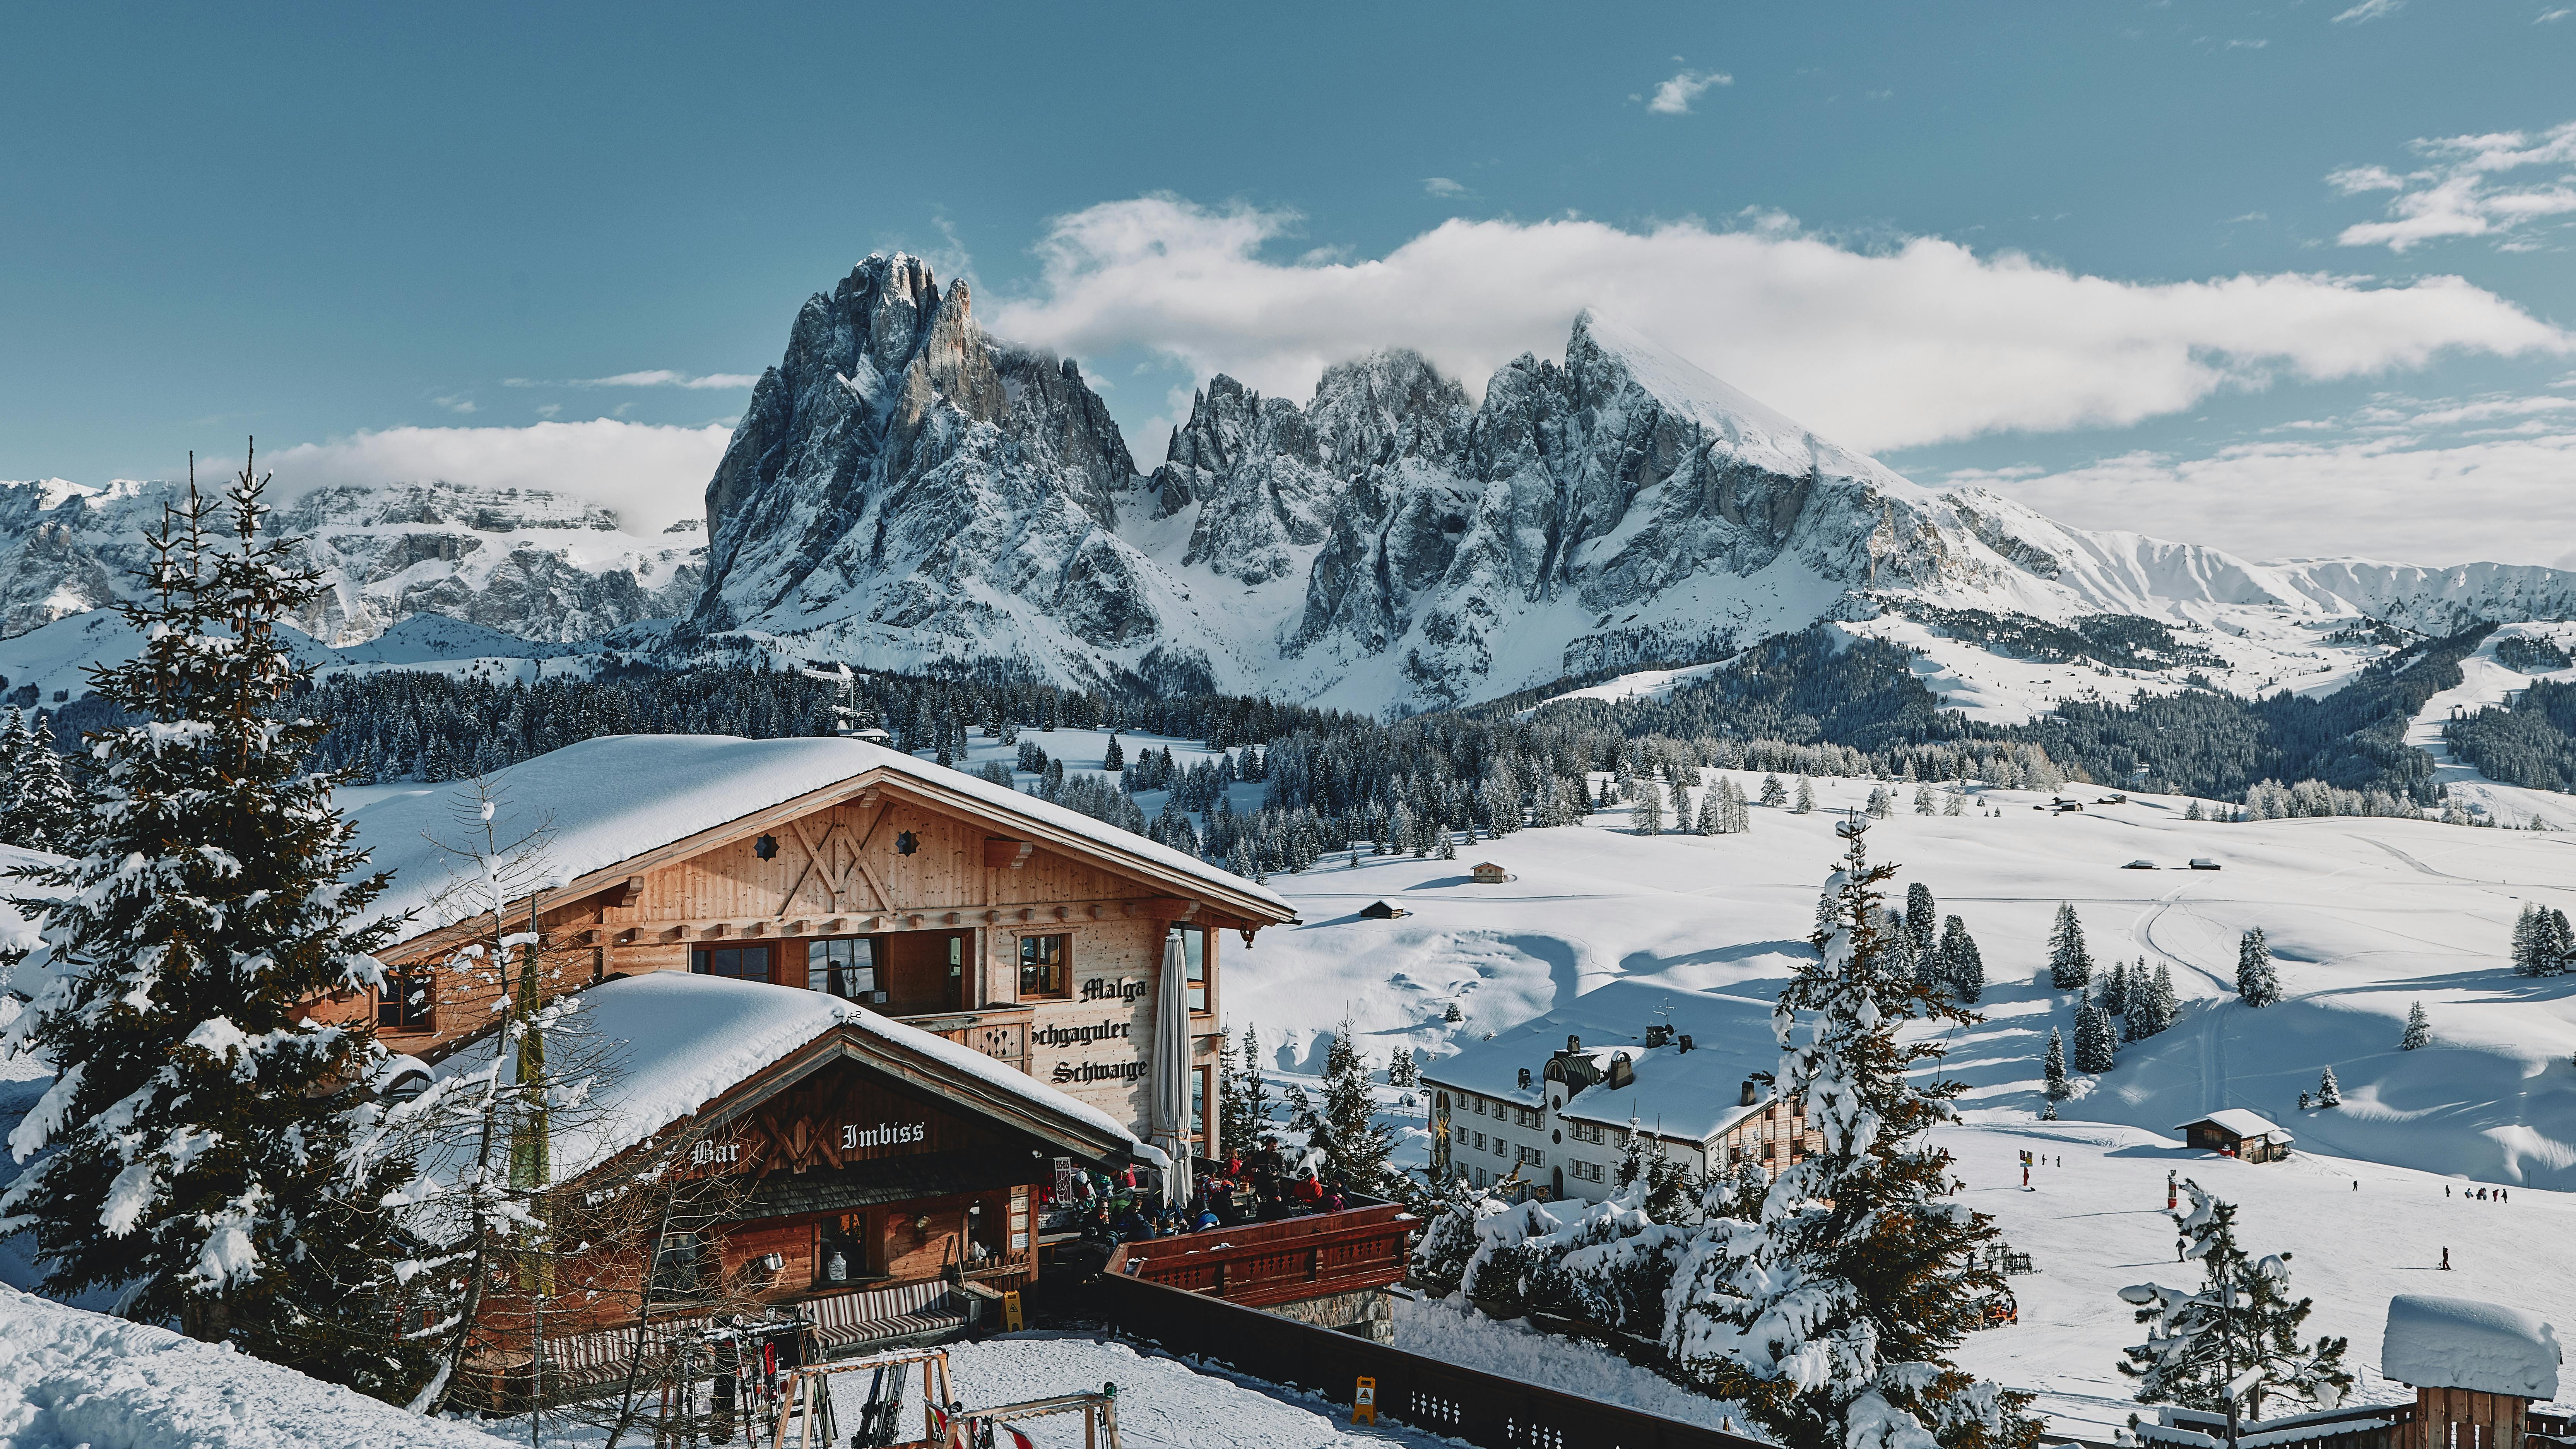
[[1035, 945]]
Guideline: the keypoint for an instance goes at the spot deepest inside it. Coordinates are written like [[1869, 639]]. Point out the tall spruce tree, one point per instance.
[[1963, 966], [2053, 1069], [44, 811], [2096, 1047], [1832, 1318], [2329, 1092], [2239, 1329], [1355, 1147], [2419, 1029], [1922, 925], [1647, 817], [2256, 983], [2115, 990], [200, 1127], [1774, 794], [2070, 962], [1806, 796]]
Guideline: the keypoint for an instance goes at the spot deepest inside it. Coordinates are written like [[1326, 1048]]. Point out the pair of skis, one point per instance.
[[880, 1422]]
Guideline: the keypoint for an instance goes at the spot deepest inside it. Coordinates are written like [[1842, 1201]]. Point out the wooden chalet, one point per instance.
[[915, 931], [2238, 1133]]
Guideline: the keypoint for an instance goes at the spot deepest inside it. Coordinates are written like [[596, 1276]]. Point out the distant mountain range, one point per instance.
[[905, 491]]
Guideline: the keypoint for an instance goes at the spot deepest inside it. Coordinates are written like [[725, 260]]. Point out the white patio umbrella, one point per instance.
[[1171, 1071]]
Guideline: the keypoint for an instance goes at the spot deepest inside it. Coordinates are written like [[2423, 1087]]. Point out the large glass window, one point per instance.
[[403, 1003], [1194, 955], [844, 966], [750, 963], [1046, 967]]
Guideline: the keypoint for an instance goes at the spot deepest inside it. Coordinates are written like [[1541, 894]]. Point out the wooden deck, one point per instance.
[[1283, 1261]]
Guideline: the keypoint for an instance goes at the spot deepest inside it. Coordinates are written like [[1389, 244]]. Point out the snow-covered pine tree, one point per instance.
[[2115, 990], [1669, 1194], [1879, 805], [2240, 1328], [2168, 1005], [1648, 816], [1403, 1069], [1711, 821], [1355, 1147], [2070, 962], [1738, 813], [1806, 796], [2558, 954], [2194, 812], [44, 811], [1922, 925], [2328, 1093], [2530, 948], [1774, 794], [201, 1122], [2419, 1029], [1832, 1318], [2096, 1047], [1922, 799], [2256, 983], [2053, 1069], [1958, 803], [1246, 1112], [1963, 966], [1113, 758]]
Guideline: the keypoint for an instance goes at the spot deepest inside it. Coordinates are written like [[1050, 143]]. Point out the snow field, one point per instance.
[[2359, 1232], [72, 1379]]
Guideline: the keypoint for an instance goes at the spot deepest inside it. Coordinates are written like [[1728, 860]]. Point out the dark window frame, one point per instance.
[[1062, 966], [819, 973], [1198, 953], [703, 960], [396, 1011]]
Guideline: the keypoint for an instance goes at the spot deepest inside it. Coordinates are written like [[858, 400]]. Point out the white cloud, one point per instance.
[[2394, 498], [2457, 193], [459, 404], [650, 377], [651, 475], [1442, 186], [1674, 97], [2546, 16], [2369, 10], [1923, 342]]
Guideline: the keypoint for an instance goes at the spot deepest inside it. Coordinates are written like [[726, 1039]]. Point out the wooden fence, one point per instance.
[[1478, 1408]]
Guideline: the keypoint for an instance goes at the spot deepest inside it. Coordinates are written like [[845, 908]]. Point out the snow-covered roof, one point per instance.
[[2460, 1343], [616, 797], [1691, 1095], [673, 1042], [2241, 1124]]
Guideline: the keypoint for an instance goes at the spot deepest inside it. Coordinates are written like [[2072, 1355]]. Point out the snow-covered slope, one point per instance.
[[73, 1379]]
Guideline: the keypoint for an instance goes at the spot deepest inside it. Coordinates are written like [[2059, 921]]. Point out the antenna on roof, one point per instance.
[[845, 713]]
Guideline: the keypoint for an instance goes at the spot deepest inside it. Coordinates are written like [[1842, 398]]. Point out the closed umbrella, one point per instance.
[[1171, 1071]]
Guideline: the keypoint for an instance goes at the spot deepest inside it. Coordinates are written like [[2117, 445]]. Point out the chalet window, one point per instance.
[[840, 1250], [675, 1263], [1480, 1105], [843, 966], [1198, 1103], [1194, 956], [749, 963], [1584, 1131], [1587, 1171], [1046, 967], [404, 1002]]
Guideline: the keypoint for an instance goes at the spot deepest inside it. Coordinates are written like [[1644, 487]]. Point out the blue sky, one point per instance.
[[2175, 267]]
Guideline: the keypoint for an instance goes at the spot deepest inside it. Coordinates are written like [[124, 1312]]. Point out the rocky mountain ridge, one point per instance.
[[909, 492], [906, 492], [542, 566]]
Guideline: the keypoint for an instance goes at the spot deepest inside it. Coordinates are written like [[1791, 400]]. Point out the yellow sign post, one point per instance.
[[1364, 1402], [1012, 1321]]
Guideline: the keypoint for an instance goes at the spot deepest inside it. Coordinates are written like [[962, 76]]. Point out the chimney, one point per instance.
[[1524, 1079], [1574, 1043], [1747, 1099]]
